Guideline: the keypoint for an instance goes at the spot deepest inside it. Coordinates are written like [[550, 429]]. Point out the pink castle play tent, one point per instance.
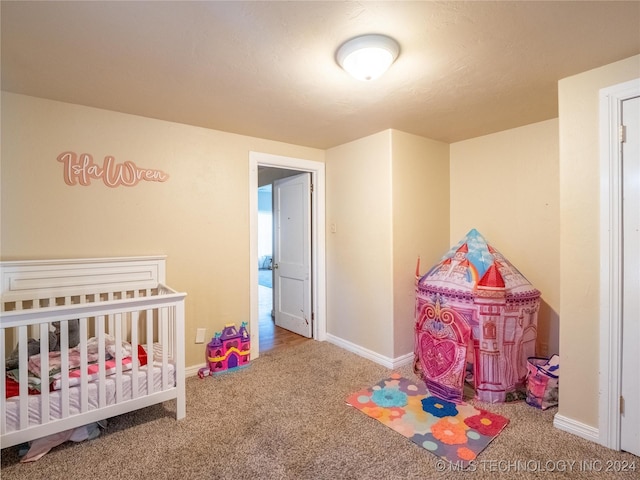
[[476, 317]]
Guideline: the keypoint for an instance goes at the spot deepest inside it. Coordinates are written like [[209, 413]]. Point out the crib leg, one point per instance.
[[181, 407]]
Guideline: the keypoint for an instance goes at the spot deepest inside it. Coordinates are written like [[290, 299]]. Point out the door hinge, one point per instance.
[[311, 186], [313, 316], [621, 404], [623, 133]]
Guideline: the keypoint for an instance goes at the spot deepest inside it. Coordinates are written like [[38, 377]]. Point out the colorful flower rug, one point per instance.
[[454, 432]]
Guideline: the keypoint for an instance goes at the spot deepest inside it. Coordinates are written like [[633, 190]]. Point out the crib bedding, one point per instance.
[[55, 397], [55, 357], [75, 374], [55, 379]]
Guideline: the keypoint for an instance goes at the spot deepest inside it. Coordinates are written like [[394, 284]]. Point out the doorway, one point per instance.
[[284, 247], [275, 165], [620, 266]]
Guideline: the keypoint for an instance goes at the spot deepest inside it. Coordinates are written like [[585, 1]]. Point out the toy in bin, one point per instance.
[[227, 350], [542, 381]]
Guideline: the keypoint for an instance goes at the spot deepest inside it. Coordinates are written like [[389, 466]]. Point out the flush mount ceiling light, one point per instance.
[[367, 57]]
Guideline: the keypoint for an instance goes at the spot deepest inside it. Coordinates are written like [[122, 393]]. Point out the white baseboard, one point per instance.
[[391, 363], [576, 428], [402, 360], [192, 371]]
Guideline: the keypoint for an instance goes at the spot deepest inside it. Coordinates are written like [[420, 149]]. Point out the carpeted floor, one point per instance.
[[285, 417]]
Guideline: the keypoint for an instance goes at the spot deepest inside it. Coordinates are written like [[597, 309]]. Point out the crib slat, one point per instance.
[[102, 389], [22, 375], [118, 349], [134, 354], [44, 367], [150, 352], [64, 366], [84, 388], [110, 317]]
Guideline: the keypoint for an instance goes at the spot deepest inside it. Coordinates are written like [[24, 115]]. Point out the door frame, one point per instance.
[[318, 242], [611, 99]]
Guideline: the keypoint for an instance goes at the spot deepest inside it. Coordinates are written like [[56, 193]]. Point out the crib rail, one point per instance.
[[14, 302]]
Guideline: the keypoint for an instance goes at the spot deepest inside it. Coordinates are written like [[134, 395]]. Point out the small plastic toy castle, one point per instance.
[[474, 307], [227, 350]]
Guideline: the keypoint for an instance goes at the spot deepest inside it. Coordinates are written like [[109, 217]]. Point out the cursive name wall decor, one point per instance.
[[81, 169]]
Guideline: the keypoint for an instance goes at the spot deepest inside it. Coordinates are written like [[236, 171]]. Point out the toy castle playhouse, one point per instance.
[[474, 310], [227, 350]]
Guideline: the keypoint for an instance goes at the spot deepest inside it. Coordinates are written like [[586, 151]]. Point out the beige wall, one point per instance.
[[359, 252], [506, 186], [579, 235], [420, 195], [388, 197], [199, 217]]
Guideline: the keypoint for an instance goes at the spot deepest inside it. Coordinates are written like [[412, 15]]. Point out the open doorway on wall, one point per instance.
[[263, 165], [277, 328]]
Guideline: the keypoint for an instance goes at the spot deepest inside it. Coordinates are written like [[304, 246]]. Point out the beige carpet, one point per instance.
[[285, 417]]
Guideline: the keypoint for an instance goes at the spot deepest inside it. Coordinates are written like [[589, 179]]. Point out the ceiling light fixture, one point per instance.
[[367, 57]]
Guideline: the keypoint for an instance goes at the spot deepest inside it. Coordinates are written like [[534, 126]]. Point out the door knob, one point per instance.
[[275, 266]]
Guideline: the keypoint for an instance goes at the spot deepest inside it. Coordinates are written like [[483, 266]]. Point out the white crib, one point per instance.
[[116, 303]]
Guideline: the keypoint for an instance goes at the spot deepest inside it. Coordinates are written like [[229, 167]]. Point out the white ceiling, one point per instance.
[[267, 69]]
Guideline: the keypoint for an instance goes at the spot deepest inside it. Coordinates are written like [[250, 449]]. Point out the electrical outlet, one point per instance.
[[200, 335]]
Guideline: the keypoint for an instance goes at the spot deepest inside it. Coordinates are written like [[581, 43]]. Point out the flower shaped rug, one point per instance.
[[454, 432]]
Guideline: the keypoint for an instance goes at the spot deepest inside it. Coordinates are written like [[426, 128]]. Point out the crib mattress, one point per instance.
[[55, 398]]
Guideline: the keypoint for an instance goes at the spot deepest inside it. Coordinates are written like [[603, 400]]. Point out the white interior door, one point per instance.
[[292, 254], [630, 417]]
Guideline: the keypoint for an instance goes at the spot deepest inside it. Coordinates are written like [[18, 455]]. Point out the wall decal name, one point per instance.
[[81, 169]]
